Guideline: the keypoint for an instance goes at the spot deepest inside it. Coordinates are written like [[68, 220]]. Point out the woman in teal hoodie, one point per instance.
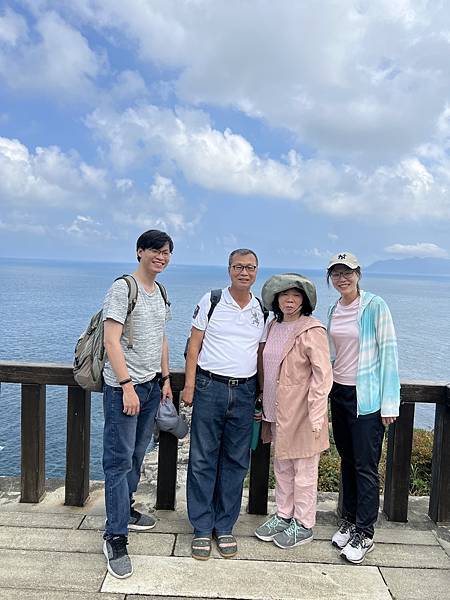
[[365, 398]]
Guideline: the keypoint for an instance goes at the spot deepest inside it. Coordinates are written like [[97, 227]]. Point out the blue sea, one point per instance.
[[45, 305]]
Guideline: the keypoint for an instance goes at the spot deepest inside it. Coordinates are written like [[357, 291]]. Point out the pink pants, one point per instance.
[[296, 488]]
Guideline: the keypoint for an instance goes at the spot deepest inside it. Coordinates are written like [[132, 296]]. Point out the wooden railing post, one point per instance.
[[259, 479], [439, 508], [78, 446], [398, 465], [32, 442], [168, 456]]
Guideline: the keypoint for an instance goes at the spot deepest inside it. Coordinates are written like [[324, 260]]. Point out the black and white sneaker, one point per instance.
[[357, 548], [115, 550], [139, 521]]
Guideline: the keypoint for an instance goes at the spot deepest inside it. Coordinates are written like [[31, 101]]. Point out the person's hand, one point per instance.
[[188, 395], [388, 420], [131, 404], [166, 392]]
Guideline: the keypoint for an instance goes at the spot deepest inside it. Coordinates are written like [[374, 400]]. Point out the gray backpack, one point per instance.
[[90, 356]]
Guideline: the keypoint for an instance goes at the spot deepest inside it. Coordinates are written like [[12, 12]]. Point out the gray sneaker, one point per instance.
[[268, 530], [294, 535], [115, 550], [140, 522]]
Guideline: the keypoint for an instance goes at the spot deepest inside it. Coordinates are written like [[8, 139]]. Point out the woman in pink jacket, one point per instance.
[[296, 377]]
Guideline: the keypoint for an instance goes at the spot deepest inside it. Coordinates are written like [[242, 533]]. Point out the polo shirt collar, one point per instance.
[[228, 298]]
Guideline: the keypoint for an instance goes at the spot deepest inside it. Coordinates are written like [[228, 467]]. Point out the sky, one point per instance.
[[296, 128]]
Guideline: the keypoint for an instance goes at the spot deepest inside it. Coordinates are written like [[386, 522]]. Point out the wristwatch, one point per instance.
[[164, 378]]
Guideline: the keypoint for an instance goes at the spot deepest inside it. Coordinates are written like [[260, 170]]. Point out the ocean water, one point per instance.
[[46, 304]]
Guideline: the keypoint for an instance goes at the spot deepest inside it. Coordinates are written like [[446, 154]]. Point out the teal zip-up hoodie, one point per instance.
[[377, 380]]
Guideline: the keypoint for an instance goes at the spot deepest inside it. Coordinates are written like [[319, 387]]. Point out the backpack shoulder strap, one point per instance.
[[214, 297], [264, 311], [132, 291], [163, 291], [132, 299]]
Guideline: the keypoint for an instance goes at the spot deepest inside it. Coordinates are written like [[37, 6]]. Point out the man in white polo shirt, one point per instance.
[[221, 384]]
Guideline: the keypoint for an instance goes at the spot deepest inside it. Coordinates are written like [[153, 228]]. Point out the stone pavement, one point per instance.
[[52, 552]]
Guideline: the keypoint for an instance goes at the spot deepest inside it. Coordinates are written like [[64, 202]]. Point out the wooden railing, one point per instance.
[[34, 378]]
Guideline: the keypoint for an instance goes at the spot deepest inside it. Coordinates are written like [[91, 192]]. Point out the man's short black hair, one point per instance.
[[155, 239], [241, 252], [306, 308]]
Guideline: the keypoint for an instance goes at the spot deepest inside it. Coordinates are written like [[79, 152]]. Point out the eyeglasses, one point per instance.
[[163, 253], [240, 268], [345, 274]]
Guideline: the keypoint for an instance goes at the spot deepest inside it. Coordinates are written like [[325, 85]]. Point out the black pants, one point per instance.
[[358, 440]]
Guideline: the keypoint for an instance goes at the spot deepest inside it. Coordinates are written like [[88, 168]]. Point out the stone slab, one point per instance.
[[57, 540], [250, 580], [388, 555], [15, 594], [52, 570], [417, 584], [53, 521]]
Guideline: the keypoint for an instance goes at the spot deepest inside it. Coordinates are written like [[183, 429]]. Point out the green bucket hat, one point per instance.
[[285, 281]]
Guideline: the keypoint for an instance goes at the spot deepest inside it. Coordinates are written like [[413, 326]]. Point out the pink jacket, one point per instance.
[[304, 381]]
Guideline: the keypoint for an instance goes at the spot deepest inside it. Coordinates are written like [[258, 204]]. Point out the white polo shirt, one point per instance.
[[232, 336]]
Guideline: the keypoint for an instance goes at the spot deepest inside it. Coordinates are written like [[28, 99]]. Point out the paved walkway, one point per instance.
[[52, 552]]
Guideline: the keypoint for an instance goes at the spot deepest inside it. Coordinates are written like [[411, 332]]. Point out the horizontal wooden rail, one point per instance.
[[34, 377]]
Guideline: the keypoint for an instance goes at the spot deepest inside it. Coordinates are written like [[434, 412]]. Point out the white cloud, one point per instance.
[[85, 228], [32, 182], [365, 80], [47, 177], [412, 189], [163, 207], [13, 28], [421, 250], [51, 58]]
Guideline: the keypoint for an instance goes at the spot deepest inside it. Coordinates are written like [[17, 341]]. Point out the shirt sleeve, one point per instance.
[[200, 316], [115, 305], [265, 332]]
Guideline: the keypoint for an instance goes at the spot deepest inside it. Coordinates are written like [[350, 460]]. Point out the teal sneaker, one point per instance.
[[294, 535], [268, 530]]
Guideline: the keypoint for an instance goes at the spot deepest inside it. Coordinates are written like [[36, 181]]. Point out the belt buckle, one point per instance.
[[233, 382]]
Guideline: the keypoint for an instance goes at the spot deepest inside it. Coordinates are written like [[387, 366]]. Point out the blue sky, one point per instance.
[[296, 128]]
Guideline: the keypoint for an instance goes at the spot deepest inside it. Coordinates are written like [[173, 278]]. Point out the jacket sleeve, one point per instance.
[[388, 356], [317, 350]]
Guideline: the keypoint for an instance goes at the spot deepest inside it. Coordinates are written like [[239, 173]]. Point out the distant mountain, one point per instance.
[[416, 266]]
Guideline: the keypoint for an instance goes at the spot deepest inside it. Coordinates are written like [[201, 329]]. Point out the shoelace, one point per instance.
[[345, 526], [119, 546], [292, 529], [274, 522], [357, 540]]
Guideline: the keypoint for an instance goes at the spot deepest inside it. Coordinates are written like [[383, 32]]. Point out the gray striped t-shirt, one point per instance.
[[149, 318]]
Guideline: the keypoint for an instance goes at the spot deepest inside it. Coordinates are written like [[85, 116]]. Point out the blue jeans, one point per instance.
[[221, 430], [125, 440]]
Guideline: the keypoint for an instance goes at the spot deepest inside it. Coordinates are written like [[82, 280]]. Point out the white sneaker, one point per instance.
[[357, 548], [343, 535]]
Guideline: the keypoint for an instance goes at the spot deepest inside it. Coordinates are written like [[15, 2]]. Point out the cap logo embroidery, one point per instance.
[[344, 256]]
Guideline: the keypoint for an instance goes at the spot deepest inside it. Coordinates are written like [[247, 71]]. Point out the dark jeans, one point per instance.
[[125, 440], [358, 440], [222, 421]]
